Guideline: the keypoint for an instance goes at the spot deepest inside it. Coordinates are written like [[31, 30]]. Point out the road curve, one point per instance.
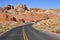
[[33, 34], [29, 32]]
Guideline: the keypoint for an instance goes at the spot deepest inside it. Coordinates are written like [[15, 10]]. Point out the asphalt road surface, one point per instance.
[[14, 34], [29, 33]]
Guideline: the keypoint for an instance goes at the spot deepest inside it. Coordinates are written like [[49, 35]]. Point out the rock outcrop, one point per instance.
[[8, 7], [1, 10], [32, 15], [3, 17], [21, 8]]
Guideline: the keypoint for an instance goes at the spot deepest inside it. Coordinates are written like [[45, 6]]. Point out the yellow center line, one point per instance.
[[24, 34]]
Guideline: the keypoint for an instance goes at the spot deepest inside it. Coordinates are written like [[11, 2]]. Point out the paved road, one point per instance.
[[30, 33], [33, 34], [14, 34]]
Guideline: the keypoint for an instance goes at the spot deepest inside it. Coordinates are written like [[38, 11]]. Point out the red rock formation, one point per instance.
[[6, 17], [8, 7], [11, 18], [36, 9], [20, 14], [1, 10], [3, 17], [21, 7]]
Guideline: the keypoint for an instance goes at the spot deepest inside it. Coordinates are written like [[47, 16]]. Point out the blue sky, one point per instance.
[[45, 4]]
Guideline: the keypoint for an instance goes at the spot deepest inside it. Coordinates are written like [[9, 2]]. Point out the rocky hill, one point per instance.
[[21, 12]]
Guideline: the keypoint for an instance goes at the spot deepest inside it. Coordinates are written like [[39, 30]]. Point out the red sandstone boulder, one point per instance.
[[11, 18]]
